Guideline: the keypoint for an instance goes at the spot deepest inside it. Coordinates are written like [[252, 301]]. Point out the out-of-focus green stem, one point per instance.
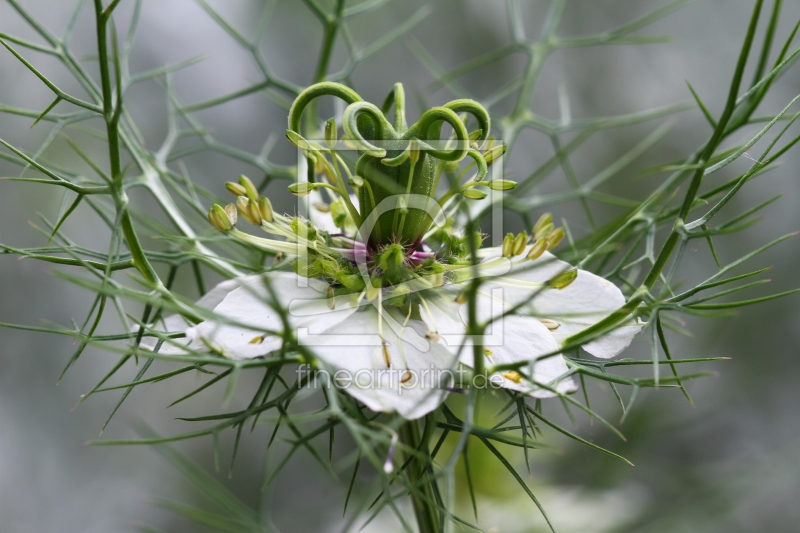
[[111, 114], [422, 497]]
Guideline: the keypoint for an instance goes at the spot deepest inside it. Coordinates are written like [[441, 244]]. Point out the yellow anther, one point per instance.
[[538, 248], [386, 357], [552, 325], [555, 238]]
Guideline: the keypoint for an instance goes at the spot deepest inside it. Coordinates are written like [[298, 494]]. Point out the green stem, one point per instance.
[[422, 497], [111, 117], [691, 194]]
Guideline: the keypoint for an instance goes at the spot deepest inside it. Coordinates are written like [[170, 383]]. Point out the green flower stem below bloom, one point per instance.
[[419, 477]]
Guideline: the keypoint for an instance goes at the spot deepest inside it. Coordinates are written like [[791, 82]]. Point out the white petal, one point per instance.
[[517, 338], [440, 313], [510, 339], [258, 324], [413, 383], [174, 323], [586, 301]]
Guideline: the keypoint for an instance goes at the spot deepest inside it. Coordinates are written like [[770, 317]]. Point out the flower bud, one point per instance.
[[250, 189], [544, 231], [232, 213], [303, 188], [219, 218], [473, 194], [236, 189], [249, 210], [243, 207], [265, 206], [555, 238], [545, 219], [500, 185], [538, 248], [519, 243], [508, 245], [297, 140], [563, 280], [494, 153], [330, 132]]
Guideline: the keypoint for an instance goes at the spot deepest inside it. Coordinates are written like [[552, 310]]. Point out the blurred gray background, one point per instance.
[[731, 463]]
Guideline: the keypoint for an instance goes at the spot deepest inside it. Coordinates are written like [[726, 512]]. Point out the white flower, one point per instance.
[[400, 363]]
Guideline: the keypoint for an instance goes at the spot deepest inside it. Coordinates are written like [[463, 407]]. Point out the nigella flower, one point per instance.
[[377, 300]]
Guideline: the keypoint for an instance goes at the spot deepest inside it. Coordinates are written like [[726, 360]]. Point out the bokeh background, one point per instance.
[[729, 463]]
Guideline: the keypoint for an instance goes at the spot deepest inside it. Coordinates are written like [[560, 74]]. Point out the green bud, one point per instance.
[[250, 189], [303, 228], [303, 188], [545, 219], [219, 218], [236, 189], [330, 132], [232, 213], [555, 238], [298, 140], [265, 206], [249, 210], [563, 280], [500, 185], [519, 244], [508, 245], [473, 194], [544, 231], [356, 182], [494, 153], [538, 248]]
